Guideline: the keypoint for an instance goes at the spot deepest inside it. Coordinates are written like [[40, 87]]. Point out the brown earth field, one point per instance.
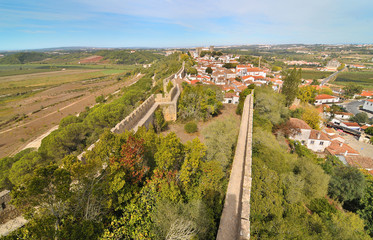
[[45, 109]]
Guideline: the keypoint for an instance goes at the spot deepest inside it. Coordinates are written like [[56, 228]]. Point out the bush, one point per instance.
[[190, 127]]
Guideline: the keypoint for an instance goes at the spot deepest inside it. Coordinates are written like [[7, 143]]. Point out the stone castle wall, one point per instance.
[[235, 219]]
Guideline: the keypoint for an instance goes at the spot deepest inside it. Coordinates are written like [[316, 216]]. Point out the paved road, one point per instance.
[[326, 80], [353, 107]]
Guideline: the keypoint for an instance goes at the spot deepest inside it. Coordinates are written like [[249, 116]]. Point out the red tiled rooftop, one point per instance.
[[324, 96], [360, 161], [298, 123], [339, 148], [351, 124], [315, 134]]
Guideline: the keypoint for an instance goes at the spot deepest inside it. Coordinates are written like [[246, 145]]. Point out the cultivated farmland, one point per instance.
[[33, 103], [364, 79]]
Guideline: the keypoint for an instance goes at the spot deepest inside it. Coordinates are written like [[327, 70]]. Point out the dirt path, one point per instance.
[[15, 138]]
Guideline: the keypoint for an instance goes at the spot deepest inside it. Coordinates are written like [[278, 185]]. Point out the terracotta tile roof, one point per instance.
[[344, 113], [324, 96], [339, 148], [298, 123], [360, 161], [254, 70], [370, 100], [329, 130], [366, 93], [229, 95], [315, 134], [351, 124]]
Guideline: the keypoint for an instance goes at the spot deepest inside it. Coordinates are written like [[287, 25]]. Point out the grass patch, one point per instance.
[[364, 79], [315, 74]]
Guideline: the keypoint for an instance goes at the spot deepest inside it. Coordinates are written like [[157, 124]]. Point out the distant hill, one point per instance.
[[23, 57], [129, 56], [110, 56]]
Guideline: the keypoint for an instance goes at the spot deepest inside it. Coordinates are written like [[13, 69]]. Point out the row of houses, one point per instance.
[[327, 141], [232, 81]]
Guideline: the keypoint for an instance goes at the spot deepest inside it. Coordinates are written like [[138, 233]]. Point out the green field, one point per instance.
[[315, 74], [20, 69], [364, 79]]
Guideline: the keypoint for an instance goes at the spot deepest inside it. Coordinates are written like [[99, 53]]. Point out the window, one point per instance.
[[312, 142], [321, 143]]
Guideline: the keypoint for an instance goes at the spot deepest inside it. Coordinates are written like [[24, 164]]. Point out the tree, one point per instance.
[[307, 94], [159, 121], [347, 183], [360, 118], [208, 70], [352, 89], [311, 117], [369, 130], [49, 191], [241, 100], [220, 138], [190, 171], [292, 79]]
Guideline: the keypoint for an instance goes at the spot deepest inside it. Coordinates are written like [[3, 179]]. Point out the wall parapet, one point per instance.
[[235, 218]]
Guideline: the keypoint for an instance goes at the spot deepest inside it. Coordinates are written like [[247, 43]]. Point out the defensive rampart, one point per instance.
[[235, 219]]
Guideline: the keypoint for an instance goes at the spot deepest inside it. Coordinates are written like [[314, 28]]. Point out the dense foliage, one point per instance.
[[292, 79], [152, 187], [199, 102], [77, 132], [290, 185]]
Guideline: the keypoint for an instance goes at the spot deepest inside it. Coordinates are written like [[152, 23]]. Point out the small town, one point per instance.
[[186, 120]]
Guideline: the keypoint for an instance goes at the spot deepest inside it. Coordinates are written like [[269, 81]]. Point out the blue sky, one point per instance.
[[30, 24]]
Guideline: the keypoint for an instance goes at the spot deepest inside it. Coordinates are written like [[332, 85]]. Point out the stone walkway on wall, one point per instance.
[[235, 219]]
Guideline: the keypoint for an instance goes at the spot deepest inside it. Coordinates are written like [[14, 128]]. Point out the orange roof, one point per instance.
[[323, 96], [315, 134], [351, 124], [360, 161], [370, 100], [254, 70], [366, 93], [329, 130], [339, 148], [298, 123], [344, 113]]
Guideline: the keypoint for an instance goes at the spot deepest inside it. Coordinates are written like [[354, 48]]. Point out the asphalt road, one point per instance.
[[353, 107]]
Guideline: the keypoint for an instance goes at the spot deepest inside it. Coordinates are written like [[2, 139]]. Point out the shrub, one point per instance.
[[190, 127]]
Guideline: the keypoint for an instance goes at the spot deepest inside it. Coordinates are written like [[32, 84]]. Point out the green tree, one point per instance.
[[360, 118], [369, 130], [292, 79], [347, 183], [312, 117], [159, 122], [208, 70], [307, 94], [49, 191], [220, 137], [352, 89]]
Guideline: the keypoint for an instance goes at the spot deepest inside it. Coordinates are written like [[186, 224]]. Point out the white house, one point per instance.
[[368, 105], [231, 97], [318, 141], [351, 125], [343, 115], [325, 99], [315, 140]]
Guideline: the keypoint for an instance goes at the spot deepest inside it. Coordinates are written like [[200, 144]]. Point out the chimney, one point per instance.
[[346, 153], [318, 135], [341, 144]]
